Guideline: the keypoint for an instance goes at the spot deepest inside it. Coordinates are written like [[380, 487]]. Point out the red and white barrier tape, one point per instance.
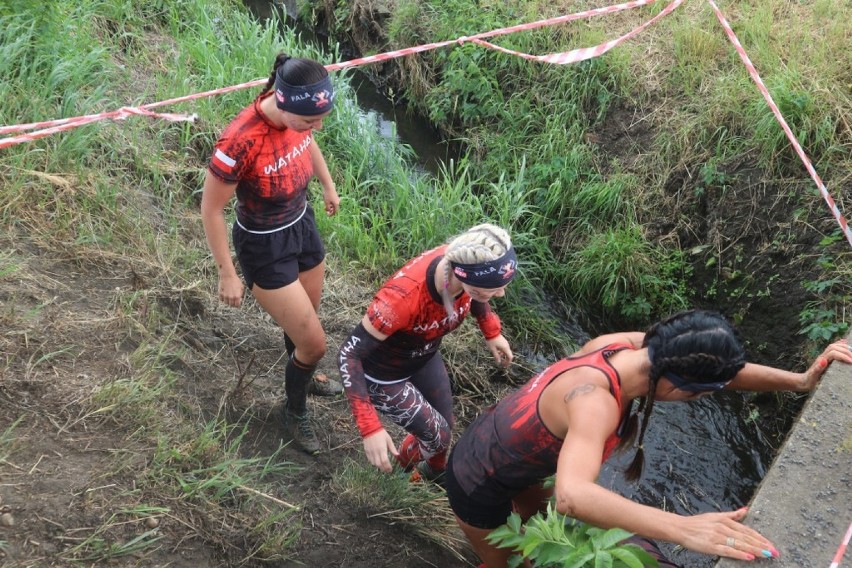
[[577, 55], [502, 31], [780, 118], [120, 114], [54, 126], [841, 550]]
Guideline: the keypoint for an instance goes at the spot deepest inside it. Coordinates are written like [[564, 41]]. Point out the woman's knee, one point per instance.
[[311, 350]]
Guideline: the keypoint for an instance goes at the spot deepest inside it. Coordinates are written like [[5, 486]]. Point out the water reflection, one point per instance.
[[700, 457]]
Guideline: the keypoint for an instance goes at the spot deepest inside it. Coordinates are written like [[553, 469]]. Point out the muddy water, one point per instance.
[[700, 456]]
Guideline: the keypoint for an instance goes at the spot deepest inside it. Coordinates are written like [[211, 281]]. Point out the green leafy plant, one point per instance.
[[553, 539], [821, 324]]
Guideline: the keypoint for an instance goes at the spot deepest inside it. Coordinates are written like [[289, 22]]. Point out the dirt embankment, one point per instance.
[[80, 476]]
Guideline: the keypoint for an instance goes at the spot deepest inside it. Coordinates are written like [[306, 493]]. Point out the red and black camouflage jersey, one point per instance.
[[508, 448], [409, 310], [271, 167]]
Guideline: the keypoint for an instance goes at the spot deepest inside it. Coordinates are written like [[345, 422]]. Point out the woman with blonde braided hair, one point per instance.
[[569, 418], [391, 361]]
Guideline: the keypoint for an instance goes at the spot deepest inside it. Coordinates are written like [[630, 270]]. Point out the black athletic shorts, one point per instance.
[[487, 513], [482, 514], [274, 260]]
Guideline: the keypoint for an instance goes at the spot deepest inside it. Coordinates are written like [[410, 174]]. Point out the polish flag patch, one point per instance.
[[224, 161]]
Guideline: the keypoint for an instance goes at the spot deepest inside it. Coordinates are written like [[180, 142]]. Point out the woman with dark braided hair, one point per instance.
[[569, 418], [266, 156]]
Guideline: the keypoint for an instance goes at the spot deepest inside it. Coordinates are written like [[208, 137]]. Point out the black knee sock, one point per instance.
[[297, 376], [289, 345]]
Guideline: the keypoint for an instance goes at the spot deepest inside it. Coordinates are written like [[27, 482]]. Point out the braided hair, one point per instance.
[[482, 243], [295, 71], [700, 346]]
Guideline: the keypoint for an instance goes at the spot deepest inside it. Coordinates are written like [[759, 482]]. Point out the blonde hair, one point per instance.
[[482, 243]]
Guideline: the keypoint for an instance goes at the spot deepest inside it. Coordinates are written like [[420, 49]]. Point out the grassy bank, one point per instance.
[[648, 166]]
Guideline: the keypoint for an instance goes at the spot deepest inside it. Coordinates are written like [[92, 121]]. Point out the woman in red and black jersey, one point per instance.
[[391, 360], [266, 157], [569, 418]]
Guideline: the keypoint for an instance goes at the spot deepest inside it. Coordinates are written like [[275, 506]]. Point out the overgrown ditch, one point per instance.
[[747, 255]]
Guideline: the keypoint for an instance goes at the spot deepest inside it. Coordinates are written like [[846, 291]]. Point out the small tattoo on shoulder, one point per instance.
[[577, 391]]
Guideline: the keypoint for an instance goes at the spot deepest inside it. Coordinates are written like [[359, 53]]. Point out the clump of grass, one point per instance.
[[395, 498], [8, 440], [619, 269]]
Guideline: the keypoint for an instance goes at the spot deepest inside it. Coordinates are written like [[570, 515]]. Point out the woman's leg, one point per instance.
[[433, 382], [526, 504], [312, 281], [292, 310], [492, 556], [406, 406]]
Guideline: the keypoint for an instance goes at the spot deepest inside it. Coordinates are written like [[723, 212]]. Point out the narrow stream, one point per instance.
[[701, 456]]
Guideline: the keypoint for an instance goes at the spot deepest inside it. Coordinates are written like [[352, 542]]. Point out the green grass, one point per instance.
[[8, 440], [529, 123]]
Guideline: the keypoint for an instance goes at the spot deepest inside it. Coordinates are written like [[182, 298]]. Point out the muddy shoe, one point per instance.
[[409, 453], [424, 472], [321, 385], [301, 429]]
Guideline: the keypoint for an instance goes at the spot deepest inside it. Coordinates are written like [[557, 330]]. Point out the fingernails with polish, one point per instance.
[[775, 552], [743, 509], [749, 557], [766, 553]]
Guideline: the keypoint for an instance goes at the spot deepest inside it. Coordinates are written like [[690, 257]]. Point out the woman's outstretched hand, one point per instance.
[[500, 349], [722, 534], [377, 446], [837, 351]]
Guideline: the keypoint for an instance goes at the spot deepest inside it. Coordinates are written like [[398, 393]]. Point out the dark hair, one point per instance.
[[700, 346], [296, 71]]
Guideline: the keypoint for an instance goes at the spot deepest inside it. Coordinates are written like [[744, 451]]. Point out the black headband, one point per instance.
[[492, 274], [304, 100]]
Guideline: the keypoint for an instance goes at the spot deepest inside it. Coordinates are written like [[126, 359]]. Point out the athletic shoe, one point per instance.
[[301, 429], [424, 472], [322, 385], [409, 453]]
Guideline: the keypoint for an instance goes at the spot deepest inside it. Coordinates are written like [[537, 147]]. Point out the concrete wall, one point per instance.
[[804, 504]]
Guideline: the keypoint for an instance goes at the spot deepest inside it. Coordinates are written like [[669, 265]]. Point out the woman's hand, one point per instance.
[[331, 199], [722, 534], [837, 351], [231, 290], [500, 349], [377, 446]]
